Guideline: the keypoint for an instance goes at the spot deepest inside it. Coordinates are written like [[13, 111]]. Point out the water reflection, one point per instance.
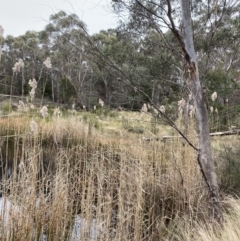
[[81, 227]]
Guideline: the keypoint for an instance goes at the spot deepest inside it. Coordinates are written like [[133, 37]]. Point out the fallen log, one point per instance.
[[220, 133], [226, 133]]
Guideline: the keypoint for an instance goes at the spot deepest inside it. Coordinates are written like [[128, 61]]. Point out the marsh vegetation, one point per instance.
[[91, 166]]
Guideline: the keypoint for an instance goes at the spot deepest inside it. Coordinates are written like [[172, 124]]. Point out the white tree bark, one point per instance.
[[205, 154]]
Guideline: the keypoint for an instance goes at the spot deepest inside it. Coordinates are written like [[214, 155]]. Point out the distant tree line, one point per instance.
[[141, 59]]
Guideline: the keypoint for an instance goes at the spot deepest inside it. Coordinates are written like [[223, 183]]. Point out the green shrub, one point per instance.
[[6, 107], [92, 120], [113, 114], [136, 129], [228, 170]]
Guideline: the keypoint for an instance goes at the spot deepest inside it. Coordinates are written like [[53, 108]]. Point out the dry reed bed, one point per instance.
[[129, 189]]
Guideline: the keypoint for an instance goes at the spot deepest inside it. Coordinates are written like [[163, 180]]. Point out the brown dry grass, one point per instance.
[[129, 188]]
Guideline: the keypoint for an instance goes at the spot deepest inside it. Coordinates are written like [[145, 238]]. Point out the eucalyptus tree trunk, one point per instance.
[[194, 84]]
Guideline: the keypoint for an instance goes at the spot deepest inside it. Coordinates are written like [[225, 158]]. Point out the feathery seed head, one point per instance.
[[44, 111], [33, 83], [144, 108], [22, 106], [100, 101], [191, 114], [192, 111], [18, 65], [48, 63], [32, 94], [190, 96], [162, 109], [182, 103], [214, 96], [211, 109], [21, 63], [57, 112], [34, 127], [16, 68]]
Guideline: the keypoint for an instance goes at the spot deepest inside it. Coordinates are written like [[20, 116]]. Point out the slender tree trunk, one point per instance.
[[52, 89], [205, 155], [23, 82]]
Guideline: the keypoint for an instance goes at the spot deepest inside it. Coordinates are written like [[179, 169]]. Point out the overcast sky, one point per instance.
[[19, 16]]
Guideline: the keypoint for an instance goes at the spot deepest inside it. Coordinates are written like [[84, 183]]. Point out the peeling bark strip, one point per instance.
[[194, 84]]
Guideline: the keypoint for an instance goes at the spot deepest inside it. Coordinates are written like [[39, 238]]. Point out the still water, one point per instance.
[[80, 224]]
